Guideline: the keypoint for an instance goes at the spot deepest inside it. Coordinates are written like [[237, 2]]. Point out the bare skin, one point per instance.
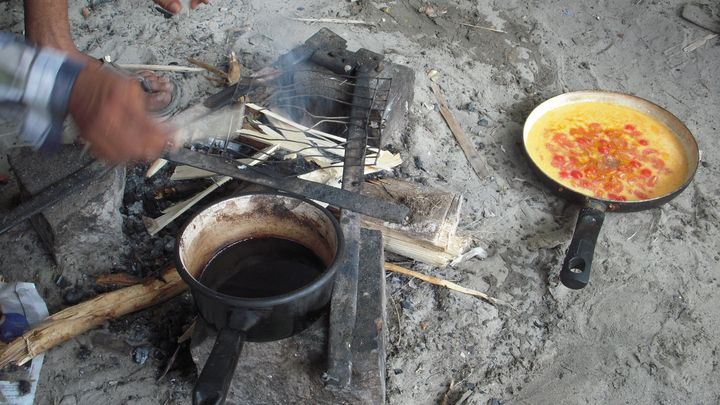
[[110, 110]]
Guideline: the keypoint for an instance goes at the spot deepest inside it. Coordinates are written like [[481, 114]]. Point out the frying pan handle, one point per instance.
[[214, 381], [575, 271]]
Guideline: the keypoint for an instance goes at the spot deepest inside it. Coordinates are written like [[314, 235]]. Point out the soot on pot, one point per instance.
[[262, 267]]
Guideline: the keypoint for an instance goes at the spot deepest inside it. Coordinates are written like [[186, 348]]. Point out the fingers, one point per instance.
[[161, 90], [195, 3], [172, 6], [175, 7], [157, 101], [110, 111]]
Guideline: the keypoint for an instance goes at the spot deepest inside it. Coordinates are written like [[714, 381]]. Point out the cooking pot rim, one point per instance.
[[327, 275]]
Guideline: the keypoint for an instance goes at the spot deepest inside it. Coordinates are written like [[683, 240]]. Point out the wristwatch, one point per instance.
[[40, 80]]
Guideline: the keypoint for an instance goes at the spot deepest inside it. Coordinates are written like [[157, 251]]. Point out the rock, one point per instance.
[[141, 354], [83, 353], [406, 303], [83, 231]]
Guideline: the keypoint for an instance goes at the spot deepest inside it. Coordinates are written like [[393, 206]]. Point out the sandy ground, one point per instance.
[[646, 329]]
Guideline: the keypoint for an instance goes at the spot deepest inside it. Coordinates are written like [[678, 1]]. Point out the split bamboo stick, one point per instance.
[[162, 68], [443, 283], [70, 322]]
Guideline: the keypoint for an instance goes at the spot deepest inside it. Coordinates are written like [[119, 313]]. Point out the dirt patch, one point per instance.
[[646, 328]]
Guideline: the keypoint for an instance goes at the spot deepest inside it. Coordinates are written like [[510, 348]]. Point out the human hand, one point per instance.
[[110, 111], [175, 6]]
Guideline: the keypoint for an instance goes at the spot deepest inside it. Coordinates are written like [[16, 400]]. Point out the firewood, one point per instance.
[[116, 279], [154, 225], [430, 234], [209, 68], [73, 321], [233, 74], [473, 157], [441, 282]]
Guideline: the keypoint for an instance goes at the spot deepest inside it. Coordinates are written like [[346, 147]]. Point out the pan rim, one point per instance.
[[271, 301], [653, 110]]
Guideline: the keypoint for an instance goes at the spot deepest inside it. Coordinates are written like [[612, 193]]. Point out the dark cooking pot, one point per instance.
[[237, 319]]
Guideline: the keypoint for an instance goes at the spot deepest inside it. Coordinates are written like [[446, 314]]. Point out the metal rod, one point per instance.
[[52, 194], [344, 300], [372, 207]]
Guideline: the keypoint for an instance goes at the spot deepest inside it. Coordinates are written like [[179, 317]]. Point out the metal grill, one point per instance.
[[308, 111]]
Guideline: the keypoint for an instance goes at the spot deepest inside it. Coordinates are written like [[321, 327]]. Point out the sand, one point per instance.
[[646, 329]]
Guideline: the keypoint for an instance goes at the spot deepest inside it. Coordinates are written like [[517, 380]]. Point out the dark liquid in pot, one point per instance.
[[264, 267]]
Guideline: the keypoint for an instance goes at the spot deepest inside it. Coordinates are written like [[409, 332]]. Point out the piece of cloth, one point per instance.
[[40, 82]]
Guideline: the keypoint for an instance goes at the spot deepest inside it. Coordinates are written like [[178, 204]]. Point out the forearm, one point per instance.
[[40, 80], [47, 24]]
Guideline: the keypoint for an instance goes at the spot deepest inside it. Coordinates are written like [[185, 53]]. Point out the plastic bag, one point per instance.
[[21, 307]]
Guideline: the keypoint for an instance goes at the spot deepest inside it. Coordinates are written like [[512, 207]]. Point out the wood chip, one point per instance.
[[483, 28], [333, 21], [209, 68], [472, 155], [698, 43]]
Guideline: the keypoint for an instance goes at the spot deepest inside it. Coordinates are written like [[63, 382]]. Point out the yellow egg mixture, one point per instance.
[[608, 151]]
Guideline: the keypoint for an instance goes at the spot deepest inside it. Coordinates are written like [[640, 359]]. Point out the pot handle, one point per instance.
[[214, 381], [575, 271]]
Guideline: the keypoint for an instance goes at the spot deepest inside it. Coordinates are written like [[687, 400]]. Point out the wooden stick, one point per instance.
[[698, 43], [333, 21], [162, 68], [209, 68], [473, 157], [70, 322], [438, 281], [483, 28]]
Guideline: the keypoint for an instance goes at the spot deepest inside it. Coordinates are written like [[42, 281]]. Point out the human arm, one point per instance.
[[47, 25], [108, 108]]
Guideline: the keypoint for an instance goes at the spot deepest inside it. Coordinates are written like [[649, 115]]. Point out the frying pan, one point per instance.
[[575, 272]]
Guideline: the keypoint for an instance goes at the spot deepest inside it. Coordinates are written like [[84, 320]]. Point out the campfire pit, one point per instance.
[[355, 96]]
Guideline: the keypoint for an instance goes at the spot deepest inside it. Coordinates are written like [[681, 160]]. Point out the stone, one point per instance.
[[83, 231], [141, 354]]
